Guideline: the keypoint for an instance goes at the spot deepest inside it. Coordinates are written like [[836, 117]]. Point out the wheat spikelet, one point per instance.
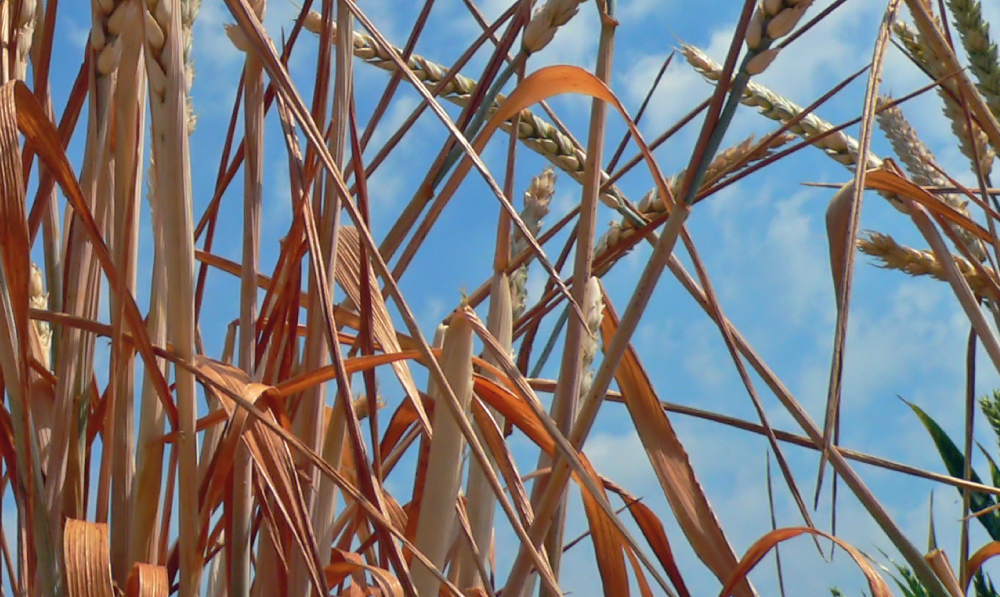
[[840, 146], [546, 21], [189, 12], [536, 206], [983, 62], [594, 305], [109, 18], [914, 262], [974, 146], [917, 159], [771, 20], [39, 299], [24, 30]]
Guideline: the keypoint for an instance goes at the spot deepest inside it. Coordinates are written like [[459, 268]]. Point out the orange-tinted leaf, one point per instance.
[[655, 534], [147, 580], [979, 558], [763, 545], [344, 563], [608, 543], [87, 554]]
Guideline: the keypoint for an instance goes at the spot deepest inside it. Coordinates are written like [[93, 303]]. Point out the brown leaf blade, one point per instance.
[[671, 464], [349, 277], [759, 549]]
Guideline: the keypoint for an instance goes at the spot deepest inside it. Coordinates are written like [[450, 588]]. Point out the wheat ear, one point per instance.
[[917, 159], [650, 206], [914, 262], [974, 145], [535, 132], [536, 206], [983, 62], [546, 21], [840, 146], [907, 144]]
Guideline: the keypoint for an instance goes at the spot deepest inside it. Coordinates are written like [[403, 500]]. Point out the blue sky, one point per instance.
[[763, 242]]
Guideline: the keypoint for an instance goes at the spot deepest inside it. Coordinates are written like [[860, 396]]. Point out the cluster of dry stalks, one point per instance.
[[262, 470]]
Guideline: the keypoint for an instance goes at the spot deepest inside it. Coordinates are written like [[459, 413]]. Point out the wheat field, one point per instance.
[[354, 298]]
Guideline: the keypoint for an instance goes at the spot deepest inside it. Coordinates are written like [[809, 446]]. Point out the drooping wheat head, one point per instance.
[[915, 262]]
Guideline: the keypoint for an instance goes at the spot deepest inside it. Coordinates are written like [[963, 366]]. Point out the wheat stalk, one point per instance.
[[253, 166], [145, 509], [444, 464], [128, 114], [165, 68], [480, 501], [67, 451]]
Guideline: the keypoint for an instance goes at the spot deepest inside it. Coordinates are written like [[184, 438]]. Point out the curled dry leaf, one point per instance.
[[87, 554], [147, 580], [346, 563], [760, 548]]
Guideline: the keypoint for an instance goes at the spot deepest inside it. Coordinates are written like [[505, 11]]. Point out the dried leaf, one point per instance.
[[671, 464], [147, 580], [759, 549], [87, 553]]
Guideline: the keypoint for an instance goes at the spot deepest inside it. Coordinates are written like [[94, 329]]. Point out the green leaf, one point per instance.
[[983, 585], [954, 461], [994, 471]]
